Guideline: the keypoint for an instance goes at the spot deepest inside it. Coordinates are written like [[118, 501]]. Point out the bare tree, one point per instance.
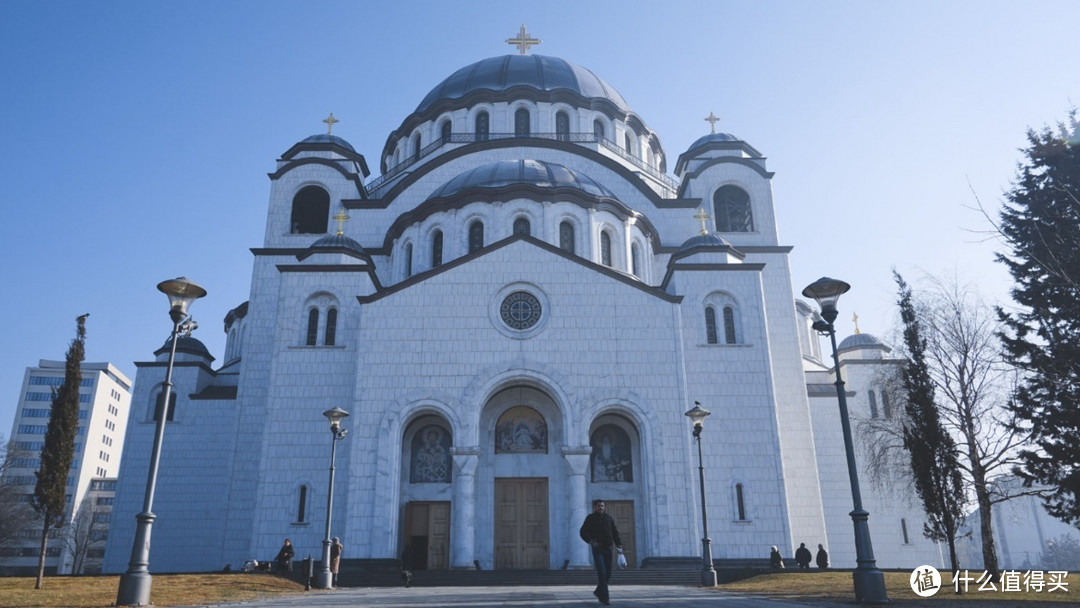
[[15, 511], [87, 530]]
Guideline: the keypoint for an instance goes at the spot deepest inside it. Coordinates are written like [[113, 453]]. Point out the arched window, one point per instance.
[[729, 325], [598, 129], [611, 458], [521, 123], [740, 503], [416, 147], [627, 145], [331, 327], [301, 506], [436, 249], [310, 211], [886, 409], [522, 226], [731, 210], [635, 260], [476, 236], [521, 429], [408, 260], [710, 325], [873, 404], [430, 456], [562, 126], [566, 236], [605, 249], [446, 132], [158, 406], [483, 128], [312, 327]]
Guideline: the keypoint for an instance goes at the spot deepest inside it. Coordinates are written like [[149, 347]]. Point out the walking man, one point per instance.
[[600, 532]]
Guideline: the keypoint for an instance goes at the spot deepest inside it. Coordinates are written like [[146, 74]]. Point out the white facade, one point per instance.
[[104, 400], [499, 378]]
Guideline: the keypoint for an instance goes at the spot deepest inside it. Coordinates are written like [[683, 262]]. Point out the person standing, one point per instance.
[[822, 557], [284, 557], [600, 532], [776, 561], [802, 557], [335, 559]]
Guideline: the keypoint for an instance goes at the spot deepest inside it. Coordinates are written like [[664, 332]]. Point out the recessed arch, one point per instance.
[[310, 211]]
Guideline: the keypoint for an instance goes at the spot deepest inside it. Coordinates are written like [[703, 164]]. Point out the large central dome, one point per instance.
[[538, 72]]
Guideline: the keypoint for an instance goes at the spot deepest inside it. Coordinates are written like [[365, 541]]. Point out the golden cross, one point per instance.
[[712, 119], [340, 219], [702, 217], [330, 122], [855, 319], [523, 41]]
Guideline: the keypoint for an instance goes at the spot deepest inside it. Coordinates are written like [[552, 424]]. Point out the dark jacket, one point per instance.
[[284, 556], [802, 557], [600, 528]]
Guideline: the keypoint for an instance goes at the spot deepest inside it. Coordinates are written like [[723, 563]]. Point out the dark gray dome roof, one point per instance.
[[860, 341], [536, 71], [186, 344], [338, 241], [713, 137], [704, 240], [325, 138], [526, 171]]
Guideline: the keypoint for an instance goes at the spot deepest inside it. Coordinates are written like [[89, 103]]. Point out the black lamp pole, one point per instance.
[[324, 578], [869, 580], [708, 572]]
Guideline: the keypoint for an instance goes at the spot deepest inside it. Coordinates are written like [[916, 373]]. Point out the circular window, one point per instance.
[[520, 310]]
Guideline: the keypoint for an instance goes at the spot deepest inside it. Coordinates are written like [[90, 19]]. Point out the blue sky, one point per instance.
[[137, 135]]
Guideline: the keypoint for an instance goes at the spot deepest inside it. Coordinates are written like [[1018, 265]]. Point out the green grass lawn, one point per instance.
[[168, 590], [835, 587]]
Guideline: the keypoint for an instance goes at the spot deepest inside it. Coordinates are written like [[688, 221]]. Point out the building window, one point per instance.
[[436, 249], [445, 132], [627, 145], [416, 147], [903, 528], [635, 260], [301, 507], [729, 325], [710, 324], [598, 129], [312, 327], [566, 236], [331, 326], [740, 503], [605, 249], [310, 211], [885, 407], [103, 500], [157, 408], [408, 260], [873, 404], [482, 126], [430, 456], [521, 123], [521, 429], [562, 126], [476, 236], [522, 226], [731, 210]]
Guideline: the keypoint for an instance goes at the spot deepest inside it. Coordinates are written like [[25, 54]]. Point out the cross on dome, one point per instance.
[[712, 119], [702, 217], [330, 122], [855, 319], [523, 40], [340, 219]]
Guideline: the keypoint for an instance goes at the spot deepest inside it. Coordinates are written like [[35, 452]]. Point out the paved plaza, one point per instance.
[[628, 596]]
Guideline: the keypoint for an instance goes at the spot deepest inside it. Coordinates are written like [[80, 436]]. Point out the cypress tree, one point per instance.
[[50, 493]]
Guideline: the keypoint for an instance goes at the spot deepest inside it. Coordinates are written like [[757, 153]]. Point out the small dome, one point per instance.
[[703, 240], [337, 241], [540, 72], [855, 341], [713, 137], [530, 172], [325, 138], [185, 344]]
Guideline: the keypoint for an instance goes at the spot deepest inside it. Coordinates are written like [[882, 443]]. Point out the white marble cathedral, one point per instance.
[[517, 313]]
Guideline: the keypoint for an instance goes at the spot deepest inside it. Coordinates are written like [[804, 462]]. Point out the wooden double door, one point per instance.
[[427, 536], [622, 511], [521, 523]]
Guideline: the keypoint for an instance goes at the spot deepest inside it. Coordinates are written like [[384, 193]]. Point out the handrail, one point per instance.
[[468, 138]]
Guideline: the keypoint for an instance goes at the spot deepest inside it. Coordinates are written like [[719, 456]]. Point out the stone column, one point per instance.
[[577, 461], [463, 509]]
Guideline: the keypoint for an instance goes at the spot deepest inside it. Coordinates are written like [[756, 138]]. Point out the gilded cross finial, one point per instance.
[[702, 217], [523, 41], [855, 319], [340, 219], [712, 119], [330, 122]]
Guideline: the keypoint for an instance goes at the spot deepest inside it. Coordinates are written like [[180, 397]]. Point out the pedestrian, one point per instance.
[[822, 557], [335, 559], [802, 557], [776, 562], [284, 557], [600, 532]]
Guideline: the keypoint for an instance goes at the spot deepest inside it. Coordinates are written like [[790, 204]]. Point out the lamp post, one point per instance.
[[325, 579], [708, 573], [869, 580], [135, 584]]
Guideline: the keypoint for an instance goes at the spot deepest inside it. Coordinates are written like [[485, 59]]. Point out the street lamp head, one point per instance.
[[697, 416], [826, 292], [335, 416], [182, 293]]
